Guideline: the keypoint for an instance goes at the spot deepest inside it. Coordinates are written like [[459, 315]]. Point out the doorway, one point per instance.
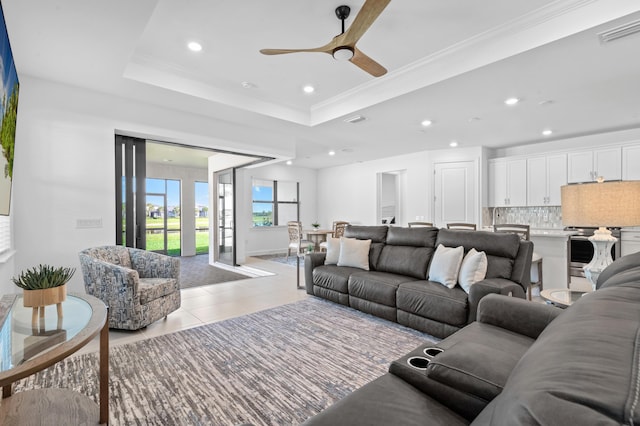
[[390, 186], [177, 229], [224, 239]]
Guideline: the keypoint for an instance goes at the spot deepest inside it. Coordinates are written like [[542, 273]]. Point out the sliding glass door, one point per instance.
[[130, 191], [202, 217], [163, 216]]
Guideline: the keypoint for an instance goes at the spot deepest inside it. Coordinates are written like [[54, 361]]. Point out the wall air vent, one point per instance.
[[355, 119], [619, 32]]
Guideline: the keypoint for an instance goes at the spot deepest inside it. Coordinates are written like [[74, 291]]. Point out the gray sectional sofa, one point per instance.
[[396, 286], [520, 363]]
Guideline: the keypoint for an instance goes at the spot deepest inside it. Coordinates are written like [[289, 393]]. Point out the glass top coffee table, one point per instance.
[[27, 347], [562, 297]]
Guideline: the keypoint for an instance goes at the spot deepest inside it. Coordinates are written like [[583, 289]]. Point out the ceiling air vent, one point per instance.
[[619, 32], [355, 119]]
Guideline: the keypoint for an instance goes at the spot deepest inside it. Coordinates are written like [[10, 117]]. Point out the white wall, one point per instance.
[[256, 241], [64, 165], [350, 192]]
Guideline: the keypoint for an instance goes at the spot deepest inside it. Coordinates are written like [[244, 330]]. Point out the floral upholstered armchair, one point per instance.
[[138, 286]]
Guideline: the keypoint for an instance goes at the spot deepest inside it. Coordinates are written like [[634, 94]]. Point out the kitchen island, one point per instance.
[[555, 249]]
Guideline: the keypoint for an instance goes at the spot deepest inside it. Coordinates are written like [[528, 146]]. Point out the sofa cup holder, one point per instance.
[[431, 352], [418, 362]]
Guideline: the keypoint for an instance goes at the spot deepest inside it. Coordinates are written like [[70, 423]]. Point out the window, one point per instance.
[[274, 202], [5, 234], [163, 216], [202, 217]]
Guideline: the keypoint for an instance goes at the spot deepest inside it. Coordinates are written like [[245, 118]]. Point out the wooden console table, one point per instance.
[[27, 348]]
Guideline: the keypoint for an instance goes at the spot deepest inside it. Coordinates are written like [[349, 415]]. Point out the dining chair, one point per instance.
[[337, 232], [460, 225], [296, 242], [524, 231], [419, 224]]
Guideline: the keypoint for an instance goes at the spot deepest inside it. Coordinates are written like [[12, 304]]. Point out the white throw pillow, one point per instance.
[[333, 251], [354, 253], [445, 265], [473, 269]]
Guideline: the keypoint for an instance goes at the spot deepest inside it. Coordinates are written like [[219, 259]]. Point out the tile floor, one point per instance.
[[216, 302]]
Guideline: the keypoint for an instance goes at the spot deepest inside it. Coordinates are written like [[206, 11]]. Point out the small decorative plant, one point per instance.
[[43, 276], [315, 225]]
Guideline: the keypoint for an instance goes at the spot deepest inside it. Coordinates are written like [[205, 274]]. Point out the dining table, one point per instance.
[[317, 236]]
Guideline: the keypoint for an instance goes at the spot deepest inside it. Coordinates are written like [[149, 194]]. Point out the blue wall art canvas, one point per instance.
[[8, 113]]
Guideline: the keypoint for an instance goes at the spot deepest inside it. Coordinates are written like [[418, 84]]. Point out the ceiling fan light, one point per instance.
[[343, 53]]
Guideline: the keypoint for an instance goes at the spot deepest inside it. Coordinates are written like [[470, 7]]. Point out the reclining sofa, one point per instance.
[[520, 363], [396, 285]]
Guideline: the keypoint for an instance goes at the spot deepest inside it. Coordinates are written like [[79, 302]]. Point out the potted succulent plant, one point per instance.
[[44, 285], [315, 225]]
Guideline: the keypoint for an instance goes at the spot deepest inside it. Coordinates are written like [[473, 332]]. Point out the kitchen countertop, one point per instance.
[[543, 232], [557, 233]]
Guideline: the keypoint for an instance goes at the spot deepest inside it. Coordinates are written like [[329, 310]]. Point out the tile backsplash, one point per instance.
[[536, 217]]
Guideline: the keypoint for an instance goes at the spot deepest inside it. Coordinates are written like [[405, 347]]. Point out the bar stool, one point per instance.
[[536, 260]]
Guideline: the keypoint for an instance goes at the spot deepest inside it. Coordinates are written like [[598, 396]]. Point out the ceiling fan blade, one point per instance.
[[324, 49], [367, 64], [370, 11]]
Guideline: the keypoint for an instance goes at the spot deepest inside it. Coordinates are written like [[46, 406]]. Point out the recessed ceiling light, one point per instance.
[[547, 132], [194, 46], [512, 101], [453, 144], [248, 85], [426, 123], [355, 119], [289, 162], [332, 152], [308, 89]]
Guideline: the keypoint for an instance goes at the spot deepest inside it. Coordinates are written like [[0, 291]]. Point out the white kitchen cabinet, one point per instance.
[[629, 241], [586, 166], [631, 162], [508, 182], [545, 176]]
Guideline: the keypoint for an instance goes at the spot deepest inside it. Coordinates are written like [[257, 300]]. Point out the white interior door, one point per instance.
[[455, 193]]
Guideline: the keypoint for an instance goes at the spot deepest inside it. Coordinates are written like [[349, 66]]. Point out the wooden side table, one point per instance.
[[28, 349]]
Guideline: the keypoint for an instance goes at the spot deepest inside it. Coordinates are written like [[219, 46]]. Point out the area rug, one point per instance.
[[282, 258], [195, 271], [275, 367]]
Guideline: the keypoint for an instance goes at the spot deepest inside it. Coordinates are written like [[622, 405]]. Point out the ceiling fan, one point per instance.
[[343, 46]]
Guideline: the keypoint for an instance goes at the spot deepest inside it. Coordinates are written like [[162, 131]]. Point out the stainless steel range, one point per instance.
[[581, 249]]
